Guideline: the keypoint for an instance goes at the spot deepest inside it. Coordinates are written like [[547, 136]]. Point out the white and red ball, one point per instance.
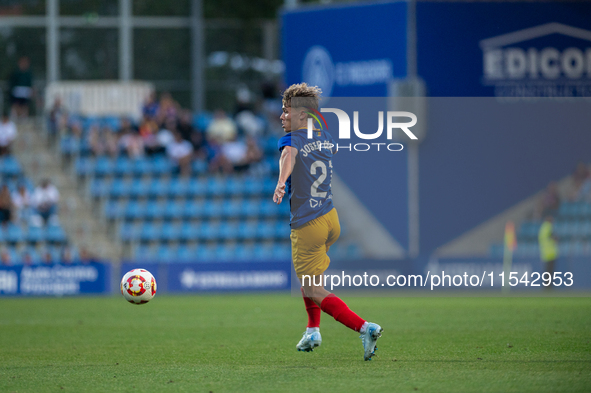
[[138, 286]]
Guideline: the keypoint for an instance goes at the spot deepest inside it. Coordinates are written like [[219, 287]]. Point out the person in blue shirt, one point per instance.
[[305, 174]]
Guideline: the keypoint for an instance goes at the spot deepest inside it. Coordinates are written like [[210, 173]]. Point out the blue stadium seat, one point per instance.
[[269, 185], [144, 253], [251, 208], [228, 231], [99, 188], [247, 231], [158, 188], [149, 232], [139, 189], [243, 253], [170, 232], [173, 211], [234, 186], [199, 167], [113, 210], [9, 166], [212, 209], [231, 209], [114, 123], [269, 209], [166, 254], [134, 210], [55, 234], [119, 188], [208, 231], [282, 230], [205, 254], [215, 186], [189, 232], [154, 211], [35, 234], [263, 252], [104, 166], [281, 251], [224, 253], [254, 187], [129, 232], [266, 230], [84, 166], [123, 166], [193, 210], [14, 234], [186, 253], [178, 188], [160, 166], [197, 188]]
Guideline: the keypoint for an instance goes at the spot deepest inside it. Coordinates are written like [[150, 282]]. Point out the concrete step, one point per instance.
[[41, 159]]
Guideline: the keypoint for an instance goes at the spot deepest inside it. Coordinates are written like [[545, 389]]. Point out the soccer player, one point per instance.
[[305, 170]]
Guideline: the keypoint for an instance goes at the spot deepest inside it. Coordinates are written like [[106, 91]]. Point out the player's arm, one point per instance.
[[286, 164]]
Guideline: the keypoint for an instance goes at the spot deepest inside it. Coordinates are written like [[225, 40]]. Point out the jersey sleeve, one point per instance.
[[290, 140], [284, 141]]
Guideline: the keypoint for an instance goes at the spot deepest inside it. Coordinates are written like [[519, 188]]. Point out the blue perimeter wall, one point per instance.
[[467, 174]]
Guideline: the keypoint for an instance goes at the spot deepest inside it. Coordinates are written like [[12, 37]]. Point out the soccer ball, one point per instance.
[[138, 286]]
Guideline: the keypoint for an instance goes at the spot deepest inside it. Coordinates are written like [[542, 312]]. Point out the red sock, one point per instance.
[[337, 309], [313, 311]]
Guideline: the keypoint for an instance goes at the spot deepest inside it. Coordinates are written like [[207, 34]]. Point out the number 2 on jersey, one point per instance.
[[314, 170]]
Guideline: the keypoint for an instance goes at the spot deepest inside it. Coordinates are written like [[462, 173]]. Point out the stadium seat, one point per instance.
[[14, 234], [232, 209], [173, 211], [247, 231], [35, 235], [228, 231], [55, 234], [103, 166]]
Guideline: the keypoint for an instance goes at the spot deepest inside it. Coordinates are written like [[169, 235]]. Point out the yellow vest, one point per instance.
[[548, 247]]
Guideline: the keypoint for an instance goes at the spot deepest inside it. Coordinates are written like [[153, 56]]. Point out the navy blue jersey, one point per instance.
[[309, 186]]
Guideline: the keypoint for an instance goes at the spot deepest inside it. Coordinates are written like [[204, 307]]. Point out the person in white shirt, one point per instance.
[[7, 134], [22, 201], [180, 152], [45, 199]]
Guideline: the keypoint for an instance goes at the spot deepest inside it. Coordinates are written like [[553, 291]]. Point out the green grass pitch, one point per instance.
[[239, 343]]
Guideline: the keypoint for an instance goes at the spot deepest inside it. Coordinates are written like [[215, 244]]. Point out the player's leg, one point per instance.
[[311, 337], [314, 289]]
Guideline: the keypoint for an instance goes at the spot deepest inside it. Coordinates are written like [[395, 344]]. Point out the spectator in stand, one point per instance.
[[185, 126], [7, 134], [47, 258], [166, 134], [6, 205], [149, 133], [151, 107], [22, 202], [5, 258], [27, 259], [180, 152], [549, 202], [132, 143], [45, 199], [57, 118], [221, 129], [168, 109], [102, 141], [250, 124], [241, 154], [21, 88], [85, 257], [66, 255]]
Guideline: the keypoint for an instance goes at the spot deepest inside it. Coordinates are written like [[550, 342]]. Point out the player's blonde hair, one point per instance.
[[307, 96]]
